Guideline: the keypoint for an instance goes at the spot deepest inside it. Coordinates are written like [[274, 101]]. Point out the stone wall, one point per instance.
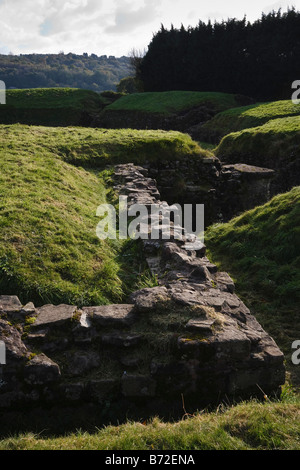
[[190, 339], [286, 168], [226, 190]]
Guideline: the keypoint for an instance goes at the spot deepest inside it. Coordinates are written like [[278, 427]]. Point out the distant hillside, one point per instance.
[[63, 70]]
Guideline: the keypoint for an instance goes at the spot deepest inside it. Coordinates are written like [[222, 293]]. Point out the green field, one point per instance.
[[237, 119], [99, 147], [51, 98], [49, 251], [169, 102]]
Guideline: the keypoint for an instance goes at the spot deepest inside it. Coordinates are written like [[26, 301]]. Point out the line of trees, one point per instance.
[[63, 70], [259, 59]]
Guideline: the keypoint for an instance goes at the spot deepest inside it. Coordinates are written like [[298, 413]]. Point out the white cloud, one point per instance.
[[128, 18], [112, 27]]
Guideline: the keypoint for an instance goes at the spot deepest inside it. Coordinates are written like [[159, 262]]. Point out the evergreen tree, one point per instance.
[[234, 56]]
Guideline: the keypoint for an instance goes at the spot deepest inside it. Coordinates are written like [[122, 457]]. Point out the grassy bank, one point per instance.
[[96, 148], [247, 426], [49, 251], [237, 119], [50, 106], [169, 102], [263, 145], [261, 250]]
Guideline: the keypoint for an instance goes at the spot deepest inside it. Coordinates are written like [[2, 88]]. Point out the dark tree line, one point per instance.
[[259, 59]]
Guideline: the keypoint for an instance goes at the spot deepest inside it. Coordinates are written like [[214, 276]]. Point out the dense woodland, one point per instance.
[[63, 70], [259, 59]]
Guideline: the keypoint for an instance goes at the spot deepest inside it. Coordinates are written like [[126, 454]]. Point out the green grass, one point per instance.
[[49, 106], [246, 426], [100, 147], [48, 248], [49, 251], [170, 102], [266, 144], [52, 98], [261, 251], [237, 119]]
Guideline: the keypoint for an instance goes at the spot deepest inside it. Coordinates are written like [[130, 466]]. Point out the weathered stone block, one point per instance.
[[28, 309], [224, 282], [10, 303], [148, 299], [200, 326], [231, 344], [111, 315], [41, 370], [54, 315], [103, 389], [73, 391], [80, 362]]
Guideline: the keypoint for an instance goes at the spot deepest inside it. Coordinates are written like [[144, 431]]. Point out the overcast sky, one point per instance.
[[112, 27]]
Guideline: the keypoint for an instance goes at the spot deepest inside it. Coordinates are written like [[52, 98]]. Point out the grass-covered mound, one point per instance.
[[274, 145], [270, 142], [237, 119], [170, 102], [49, 251], [99, 147], [50, 106], [261, 250], [177, 110]]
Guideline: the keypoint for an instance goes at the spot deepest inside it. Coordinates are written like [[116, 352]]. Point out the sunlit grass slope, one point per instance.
[[261, 250], [50, 106], [48, 245], [237, 119], [265, 144], [169, 102]]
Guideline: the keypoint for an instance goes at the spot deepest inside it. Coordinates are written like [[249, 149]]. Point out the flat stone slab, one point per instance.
[[200, 326], [51, 315], [111, 315], [250, 169]]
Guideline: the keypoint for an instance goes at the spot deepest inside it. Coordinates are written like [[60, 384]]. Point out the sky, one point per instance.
[[110, 27]]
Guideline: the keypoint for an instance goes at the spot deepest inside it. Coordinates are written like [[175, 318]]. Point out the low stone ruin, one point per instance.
[[226, 190], [190, 339]]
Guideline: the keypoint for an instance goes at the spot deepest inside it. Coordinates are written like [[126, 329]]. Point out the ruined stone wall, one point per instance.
[[225, 190], [188, 338]]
